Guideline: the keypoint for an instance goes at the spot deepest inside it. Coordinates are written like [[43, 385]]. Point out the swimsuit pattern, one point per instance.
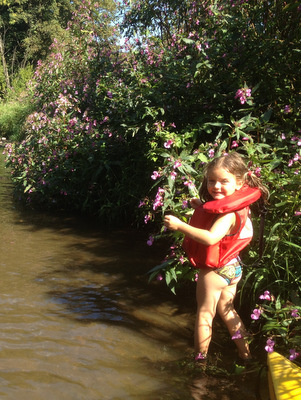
[[231, 273]]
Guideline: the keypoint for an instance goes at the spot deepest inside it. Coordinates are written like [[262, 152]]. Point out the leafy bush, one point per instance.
[[279, 323], [75, 154]]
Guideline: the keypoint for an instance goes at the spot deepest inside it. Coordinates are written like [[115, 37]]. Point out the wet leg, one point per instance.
[[232, 320], [208, 292]]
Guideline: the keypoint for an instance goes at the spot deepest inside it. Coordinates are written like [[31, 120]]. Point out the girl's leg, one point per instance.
[[208, 292], [232, 320]]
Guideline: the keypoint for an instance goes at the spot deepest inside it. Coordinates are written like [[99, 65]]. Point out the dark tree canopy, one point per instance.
[[28, 28]]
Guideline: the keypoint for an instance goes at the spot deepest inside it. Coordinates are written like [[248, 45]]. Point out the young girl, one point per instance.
[[223, 238]]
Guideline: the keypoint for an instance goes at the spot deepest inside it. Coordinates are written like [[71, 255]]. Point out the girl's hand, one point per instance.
[[195, 202], [172, 222]]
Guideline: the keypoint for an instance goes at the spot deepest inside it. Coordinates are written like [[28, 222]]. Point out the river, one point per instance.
[[79, 320]]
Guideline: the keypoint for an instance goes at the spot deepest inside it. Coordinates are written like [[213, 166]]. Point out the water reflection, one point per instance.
[[79, 320]]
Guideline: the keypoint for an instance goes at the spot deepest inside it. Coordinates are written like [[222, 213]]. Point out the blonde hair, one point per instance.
[[235, 165]]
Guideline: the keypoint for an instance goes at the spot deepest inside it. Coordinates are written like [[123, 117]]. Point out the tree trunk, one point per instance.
[[4, 65]]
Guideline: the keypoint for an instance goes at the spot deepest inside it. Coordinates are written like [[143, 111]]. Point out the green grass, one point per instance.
[[13, 115]]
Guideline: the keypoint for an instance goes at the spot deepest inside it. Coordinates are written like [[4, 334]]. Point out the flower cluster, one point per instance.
[[256, 314], [280, 324], [243, 94], [159, 199], [269, 348]]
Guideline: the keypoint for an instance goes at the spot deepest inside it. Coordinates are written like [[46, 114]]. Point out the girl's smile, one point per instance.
[[221, 183]]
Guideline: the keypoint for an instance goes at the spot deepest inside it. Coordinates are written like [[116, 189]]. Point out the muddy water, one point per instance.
[[78, 319]]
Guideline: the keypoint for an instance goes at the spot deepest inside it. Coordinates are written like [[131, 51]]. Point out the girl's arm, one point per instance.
[[220, 228]]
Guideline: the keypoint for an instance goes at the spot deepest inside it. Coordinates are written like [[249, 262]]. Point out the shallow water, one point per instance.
[[79, 320]]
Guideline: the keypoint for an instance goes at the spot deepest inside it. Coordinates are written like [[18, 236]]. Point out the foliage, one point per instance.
[[28, 28], [72, 156], [279, 323], [20, 82]]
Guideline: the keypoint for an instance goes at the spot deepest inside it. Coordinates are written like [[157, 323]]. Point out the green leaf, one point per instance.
[[278, 303], [267, 115], [162, 266], [291, 244], [188, 41], [28, 187], [274, 164]]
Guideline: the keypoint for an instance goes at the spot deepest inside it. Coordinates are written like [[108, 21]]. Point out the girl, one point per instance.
[[216, 242]]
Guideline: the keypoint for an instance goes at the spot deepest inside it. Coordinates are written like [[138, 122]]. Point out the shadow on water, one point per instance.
[[109, 285], [105, 279]]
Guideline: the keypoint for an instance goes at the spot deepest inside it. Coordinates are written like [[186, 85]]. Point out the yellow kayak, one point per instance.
[[284, 378]]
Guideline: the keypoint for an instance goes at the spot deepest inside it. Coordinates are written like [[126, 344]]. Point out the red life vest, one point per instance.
[[219, 254]]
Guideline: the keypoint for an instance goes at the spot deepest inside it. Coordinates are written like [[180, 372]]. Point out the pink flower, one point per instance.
[[155, 175], [199, 356], [295, 313], [257, 172], [150, 241], [237, 335], [270, 346], [293, 354], [256, 314], [234, 144], [147, 218], [287, 109], [184, 204], [190, 184], [297, 213], [265, 296], [211, 153], [159, 277], [173, 175], [168, 144], [141, 204], [177, 164]]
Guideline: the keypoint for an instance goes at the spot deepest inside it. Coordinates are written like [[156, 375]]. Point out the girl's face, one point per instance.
[[221, 183]]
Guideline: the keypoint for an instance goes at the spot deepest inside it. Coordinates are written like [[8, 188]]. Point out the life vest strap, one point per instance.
[[238, 200]]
